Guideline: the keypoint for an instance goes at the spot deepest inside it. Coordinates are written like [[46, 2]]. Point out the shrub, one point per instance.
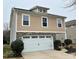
[[57, 45], [6, 41], [17, 46], [71, 50], [63, 44], [68, 42]]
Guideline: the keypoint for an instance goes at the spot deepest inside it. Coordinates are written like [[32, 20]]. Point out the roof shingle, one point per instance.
[[70, 23]]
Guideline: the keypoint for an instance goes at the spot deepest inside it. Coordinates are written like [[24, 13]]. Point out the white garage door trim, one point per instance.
[[37, 42]]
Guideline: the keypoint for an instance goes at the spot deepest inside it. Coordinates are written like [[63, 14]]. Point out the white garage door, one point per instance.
[[37, 42]]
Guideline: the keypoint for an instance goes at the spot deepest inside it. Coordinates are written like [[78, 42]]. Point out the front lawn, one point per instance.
[[6, 50]]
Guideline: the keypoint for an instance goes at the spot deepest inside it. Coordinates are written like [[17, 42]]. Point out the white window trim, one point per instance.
[[37, 9], [42, 22], [22, 19], [61, 22]]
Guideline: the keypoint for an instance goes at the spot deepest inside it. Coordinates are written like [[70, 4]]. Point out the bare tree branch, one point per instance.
[[69, 3], [5, 26]]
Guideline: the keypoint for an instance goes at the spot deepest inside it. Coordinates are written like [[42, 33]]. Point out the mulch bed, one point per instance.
[[14, 58]]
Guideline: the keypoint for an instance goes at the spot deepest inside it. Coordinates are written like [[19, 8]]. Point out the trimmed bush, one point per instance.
[[57, 45], [63, 44], [68, 42], [17, 46], [71, 50]]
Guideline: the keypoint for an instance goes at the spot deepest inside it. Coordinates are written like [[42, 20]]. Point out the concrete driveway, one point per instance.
[[48, 54]]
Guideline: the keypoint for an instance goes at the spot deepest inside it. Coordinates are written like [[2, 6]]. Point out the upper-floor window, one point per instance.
[[44, 11], [26, 20], [40, 10], [59, 22], [44, 22]]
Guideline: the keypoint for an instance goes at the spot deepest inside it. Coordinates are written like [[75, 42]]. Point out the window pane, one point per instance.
[[34, 36], [59, 25], [25, 20], [44, 24], [40, 10], [59, 22], [44, 20], [48, 36], [44, 10], [26, 37], [41, 36], [25, 23]]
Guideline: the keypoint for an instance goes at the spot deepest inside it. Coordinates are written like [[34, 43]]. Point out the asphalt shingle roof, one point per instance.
[[70, 23], [31, 12], [39, 7]]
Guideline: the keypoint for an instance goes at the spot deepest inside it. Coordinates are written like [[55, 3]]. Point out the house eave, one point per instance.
[[42, 31], [34, 13]]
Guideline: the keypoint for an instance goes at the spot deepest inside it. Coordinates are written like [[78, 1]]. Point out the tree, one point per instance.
[[69, 3], [6, 34], [6, 37], [5, 26]]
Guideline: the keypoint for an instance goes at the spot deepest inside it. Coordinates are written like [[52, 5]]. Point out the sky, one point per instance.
[[56, 7]]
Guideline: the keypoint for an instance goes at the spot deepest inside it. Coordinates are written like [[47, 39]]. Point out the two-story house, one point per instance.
[[36, 28]]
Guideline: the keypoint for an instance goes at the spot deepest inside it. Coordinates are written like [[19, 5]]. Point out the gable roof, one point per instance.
[[70, 23], [31, 12], [39, 7]]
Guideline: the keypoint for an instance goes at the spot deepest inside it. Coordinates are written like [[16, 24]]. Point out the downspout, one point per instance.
[[65, 33]]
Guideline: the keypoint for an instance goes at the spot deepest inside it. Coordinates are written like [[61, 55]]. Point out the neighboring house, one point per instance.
[[37, 28], [71, 30]]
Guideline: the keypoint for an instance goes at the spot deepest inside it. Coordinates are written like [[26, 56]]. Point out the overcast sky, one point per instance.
[[56, 7]]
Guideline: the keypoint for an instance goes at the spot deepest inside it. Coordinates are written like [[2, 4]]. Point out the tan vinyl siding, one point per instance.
[[35, 23]]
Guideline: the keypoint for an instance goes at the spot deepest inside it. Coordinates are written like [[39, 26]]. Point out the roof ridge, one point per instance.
[[35, 12]]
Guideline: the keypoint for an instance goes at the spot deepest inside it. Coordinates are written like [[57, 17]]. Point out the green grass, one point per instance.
[[6, 50]]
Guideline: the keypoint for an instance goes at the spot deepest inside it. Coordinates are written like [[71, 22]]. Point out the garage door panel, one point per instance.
[[36, 43], [46, 44], [30, 43]]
